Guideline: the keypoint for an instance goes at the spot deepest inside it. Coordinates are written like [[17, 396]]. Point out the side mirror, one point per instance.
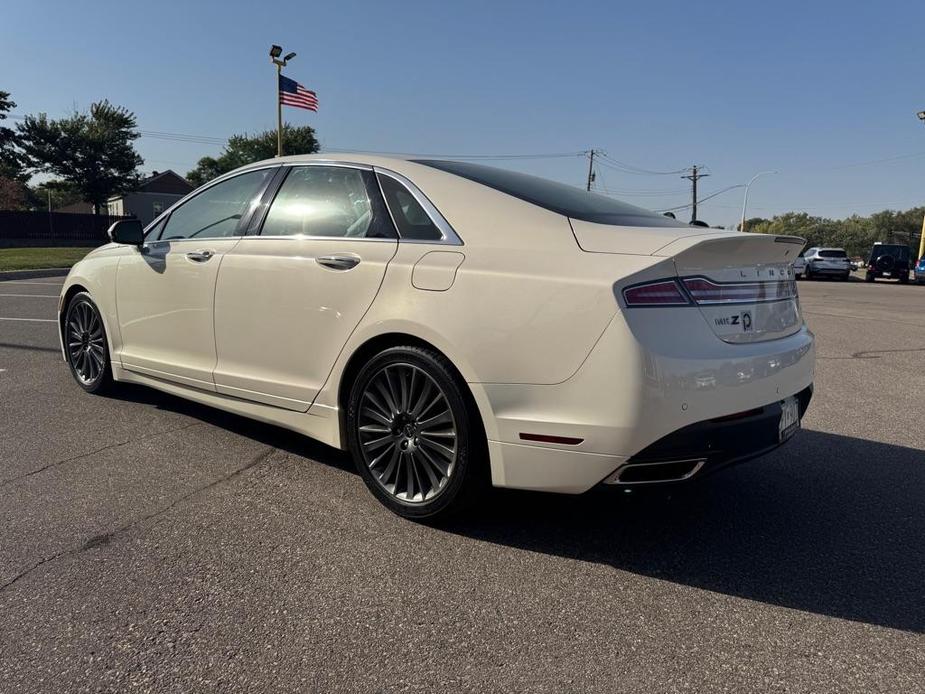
[[127, 231]]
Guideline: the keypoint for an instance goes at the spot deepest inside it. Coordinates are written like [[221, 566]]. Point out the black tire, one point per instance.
[[868, 277], [904, 279], [86, 345], [808, 272], [397, 457]]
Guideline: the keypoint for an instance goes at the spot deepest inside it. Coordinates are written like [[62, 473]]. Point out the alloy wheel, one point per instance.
[[407, 433], [86, 346]]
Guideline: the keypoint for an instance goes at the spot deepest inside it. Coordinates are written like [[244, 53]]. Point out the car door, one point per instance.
[[165, 290], [288, 298]]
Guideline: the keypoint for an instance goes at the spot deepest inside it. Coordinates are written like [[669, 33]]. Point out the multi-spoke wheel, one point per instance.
[[411, 433], [85, 344]]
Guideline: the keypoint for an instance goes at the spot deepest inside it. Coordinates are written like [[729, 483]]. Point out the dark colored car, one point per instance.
[[890, 260], [920, 271]]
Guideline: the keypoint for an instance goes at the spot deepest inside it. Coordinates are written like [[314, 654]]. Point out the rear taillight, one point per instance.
[[704, 291], [699, 290], [661, 293]]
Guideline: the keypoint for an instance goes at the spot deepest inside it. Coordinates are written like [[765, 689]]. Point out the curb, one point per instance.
[[33, 274]]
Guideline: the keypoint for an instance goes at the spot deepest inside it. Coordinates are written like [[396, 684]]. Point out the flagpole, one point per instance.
[[279, 112]]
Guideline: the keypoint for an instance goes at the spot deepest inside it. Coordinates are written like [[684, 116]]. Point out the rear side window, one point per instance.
[[412, 220], [325, 201], [557, 197], [833, 254]]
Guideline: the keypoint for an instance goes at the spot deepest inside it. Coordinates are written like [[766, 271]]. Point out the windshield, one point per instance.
[[833, 253], [556, 197]]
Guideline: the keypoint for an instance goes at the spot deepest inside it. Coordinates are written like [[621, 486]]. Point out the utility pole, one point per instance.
[[694, 176], [590, 170]]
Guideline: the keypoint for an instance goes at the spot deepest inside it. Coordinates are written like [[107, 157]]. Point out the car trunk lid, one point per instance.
[[743, 284]]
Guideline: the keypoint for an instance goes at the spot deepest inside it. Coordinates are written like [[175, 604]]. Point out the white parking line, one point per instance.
[[34, 296], [32, 320]]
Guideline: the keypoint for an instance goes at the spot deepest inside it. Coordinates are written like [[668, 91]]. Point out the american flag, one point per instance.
[[291, 93]]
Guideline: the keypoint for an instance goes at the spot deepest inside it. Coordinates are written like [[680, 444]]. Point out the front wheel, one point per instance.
[[86, 345], [413, 439]]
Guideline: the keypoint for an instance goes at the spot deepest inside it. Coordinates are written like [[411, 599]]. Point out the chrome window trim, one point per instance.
[[196, 240], [307, 237], [449, 235], [328, 162]]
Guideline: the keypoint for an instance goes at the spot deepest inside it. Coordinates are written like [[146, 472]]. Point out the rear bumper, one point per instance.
[[831, 271], [707, 446], [645, 381]]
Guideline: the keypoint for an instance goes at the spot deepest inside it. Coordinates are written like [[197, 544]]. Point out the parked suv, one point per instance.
[[890, 260], [819, 262]]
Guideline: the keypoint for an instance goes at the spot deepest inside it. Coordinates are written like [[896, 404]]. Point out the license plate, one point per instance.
[[789, 418], [886, 274]]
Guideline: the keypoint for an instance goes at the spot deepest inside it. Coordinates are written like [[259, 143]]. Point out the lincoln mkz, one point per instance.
[[452, 325]]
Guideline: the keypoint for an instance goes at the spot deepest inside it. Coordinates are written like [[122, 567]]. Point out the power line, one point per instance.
[[631, 168], [708, 197]]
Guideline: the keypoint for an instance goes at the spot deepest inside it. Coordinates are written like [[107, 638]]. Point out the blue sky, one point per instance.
[[817, 90]]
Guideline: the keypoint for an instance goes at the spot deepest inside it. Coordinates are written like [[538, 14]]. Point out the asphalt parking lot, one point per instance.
[[149, 544]]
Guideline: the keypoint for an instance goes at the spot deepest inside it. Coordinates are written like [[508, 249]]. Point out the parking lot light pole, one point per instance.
[[745, 200], [280, 63], [921, 116]]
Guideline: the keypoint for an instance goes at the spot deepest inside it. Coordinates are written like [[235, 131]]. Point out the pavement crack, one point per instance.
[[105, 538], [49, 466]]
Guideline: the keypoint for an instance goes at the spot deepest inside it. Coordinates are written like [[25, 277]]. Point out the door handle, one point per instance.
[[199, 256], [339, 262]]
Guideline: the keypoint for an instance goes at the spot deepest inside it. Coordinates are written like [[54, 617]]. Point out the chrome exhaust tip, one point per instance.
[[656, 472]]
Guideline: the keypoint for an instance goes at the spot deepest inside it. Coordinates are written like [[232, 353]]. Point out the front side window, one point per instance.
[[216, 211], [325, 201], [410, 218]]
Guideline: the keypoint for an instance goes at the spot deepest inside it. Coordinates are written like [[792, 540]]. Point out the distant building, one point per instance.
[[153, 195]]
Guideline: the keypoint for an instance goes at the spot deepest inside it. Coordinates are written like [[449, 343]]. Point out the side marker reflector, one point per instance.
[[546, 438]]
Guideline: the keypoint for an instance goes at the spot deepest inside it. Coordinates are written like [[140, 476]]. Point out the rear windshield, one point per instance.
[[556, 197], [894, 250], [832, 254]]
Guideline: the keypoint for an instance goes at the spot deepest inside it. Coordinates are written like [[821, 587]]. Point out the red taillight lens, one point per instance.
[[703, 291], [663, 293]]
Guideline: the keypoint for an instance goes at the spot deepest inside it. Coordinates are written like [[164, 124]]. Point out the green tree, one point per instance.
[[10, 164], [93, 151], [246, 149], [59, 193]]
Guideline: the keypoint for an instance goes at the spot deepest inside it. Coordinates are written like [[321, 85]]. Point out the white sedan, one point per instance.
[[452, 325]]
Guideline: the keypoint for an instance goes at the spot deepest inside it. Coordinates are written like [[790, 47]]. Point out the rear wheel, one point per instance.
[[86, 345], [868, 277], [412, 436]]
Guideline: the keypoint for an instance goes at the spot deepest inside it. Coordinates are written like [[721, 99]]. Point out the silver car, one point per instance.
[[818, 262]]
